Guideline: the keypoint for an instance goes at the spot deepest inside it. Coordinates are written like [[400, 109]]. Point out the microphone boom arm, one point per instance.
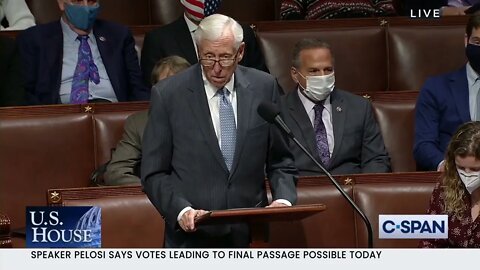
[[340, 189], [271, 114]]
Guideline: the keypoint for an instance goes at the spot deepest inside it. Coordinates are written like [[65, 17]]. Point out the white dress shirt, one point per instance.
[[214, 106], [326, 117], [192, 27], [214, 103], [104, 89]]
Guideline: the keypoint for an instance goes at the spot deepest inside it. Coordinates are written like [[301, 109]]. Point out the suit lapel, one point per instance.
[[54, 41], [338, 122], [199, 105], [244, 109], [459, 88], [104, 45], [184, 40], [300, 116]]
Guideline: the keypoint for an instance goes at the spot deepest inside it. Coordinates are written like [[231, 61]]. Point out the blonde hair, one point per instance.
[[173, 63], [465, 142]]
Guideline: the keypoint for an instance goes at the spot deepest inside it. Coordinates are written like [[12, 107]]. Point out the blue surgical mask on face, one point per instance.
[[82, 17]]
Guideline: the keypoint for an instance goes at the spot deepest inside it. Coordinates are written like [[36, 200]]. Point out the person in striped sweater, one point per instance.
[[330, 9]]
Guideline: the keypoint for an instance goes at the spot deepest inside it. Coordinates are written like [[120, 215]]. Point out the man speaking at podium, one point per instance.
[[206, 148]]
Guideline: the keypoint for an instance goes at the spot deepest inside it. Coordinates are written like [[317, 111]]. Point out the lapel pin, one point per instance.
[[102, 38], [339, 109]]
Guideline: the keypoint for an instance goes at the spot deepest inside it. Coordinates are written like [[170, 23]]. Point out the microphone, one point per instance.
[[270, 113]]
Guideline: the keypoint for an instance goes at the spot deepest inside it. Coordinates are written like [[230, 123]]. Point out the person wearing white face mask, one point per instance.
[[337, 127], [457, 194]]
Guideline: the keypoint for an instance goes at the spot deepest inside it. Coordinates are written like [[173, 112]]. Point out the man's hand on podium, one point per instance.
[[187, 222], [277, 204]]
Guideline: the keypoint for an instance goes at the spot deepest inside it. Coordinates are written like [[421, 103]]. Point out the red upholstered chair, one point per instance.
[[358, 68]]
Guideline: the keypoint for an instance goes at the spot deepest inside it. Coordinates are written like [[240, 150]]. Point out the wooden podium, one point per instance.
[[257, 218]]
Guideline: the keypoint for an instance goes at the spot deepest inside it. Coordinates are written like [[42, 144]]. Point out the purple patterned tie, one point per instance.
[[321, 135], [85, 71]]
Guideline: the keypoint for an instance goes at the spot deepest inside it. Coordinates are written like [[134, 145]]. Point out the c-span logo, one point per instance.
[[413, 226], [66, 227]]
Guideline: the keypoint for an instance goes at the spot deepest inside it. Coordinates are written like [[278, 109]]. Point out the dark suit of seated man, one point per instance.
[[206, 148], [447, 101], [124, 167], [176, 39], [336, 126], [79, 59], [11, 86]]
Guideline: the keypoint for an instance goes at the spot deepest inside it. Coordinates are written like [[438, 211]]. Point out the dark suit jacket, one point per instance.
[[358, 143], [175, 39], [182, 163], [11, 85], [41, 50], [124, 167], [442, 106]]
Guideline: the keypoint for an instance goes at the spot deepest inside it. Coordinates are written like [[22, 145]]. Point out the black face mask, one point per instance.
[[473, 56]]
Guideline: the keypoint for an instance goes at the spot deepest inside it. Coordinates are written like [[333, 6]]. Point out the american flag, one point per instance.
[[201, 8]]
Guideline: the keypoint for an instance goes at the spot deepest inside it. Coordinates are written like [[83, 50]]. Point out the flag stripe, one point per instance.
[[194, 4], [196, 14]]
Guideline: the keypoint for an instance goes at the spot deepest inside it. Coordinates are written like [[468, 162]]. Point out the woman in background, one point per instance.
[[458, 192]]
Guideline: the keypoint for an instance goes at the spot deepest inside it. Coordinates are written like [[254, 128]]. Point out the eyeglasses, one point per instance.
[[222, 62], [227, 62]]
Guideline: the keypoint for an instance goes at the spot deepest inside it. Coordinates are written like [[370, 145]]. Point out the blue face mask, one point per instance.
[[82, 17]]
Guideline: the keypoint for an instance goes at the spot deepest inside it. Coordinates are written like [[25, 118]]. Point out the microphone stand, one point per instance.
[[271, 114], [345, 195]]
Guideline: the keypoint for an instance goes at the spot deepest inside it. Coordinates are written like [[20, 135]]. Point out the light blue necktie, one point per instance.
[[228, 129]]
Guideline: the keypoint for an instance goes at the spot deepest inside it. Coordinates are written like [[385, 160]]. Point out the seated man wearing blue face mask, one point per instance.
[[337, 127], [80, 59]]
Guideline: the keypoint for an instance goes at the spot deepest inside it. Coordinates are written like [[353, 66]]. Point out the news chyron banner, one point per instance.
[[241, 259], [64, 227]]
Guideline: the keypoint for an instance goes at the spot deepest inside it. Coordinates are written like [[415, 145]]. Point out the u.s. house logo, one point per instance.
[[64, 226]]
